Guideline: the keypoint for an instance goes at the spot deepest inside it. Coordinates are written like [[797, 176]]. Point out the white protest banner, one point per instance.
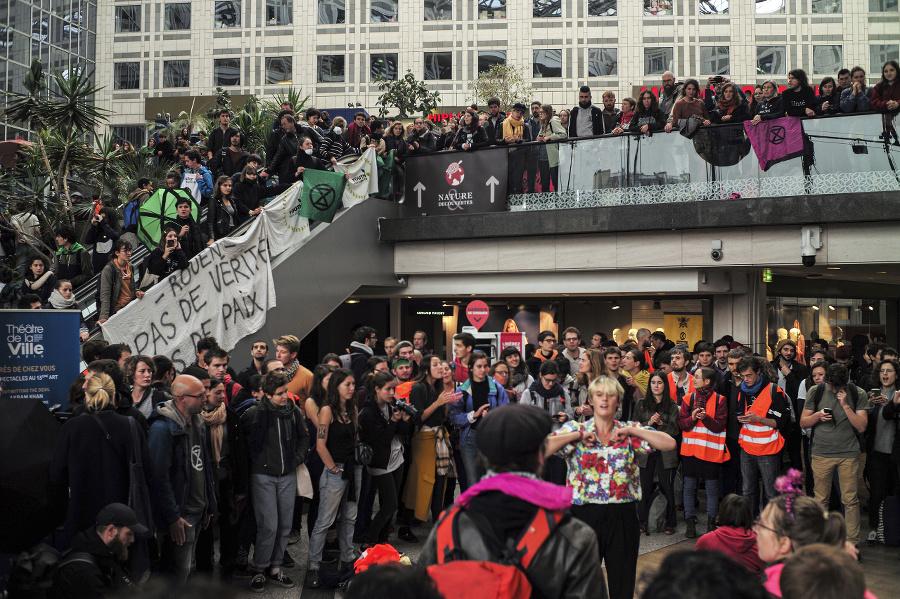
[[363, 178], [224, 292], [284, 225]]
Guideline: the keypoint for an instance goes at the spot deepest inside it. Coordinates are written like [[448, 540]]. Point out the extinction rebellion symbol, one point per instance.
[[322, 196], [455, 173], [776, 135]]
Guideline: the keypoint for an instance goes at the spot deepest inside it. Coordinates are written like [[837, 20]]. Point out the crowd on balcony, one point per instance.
[[580, 432]]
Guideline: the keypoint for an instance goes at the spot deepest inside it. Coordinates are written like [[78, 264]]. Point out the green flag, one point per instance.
[[322, 194]]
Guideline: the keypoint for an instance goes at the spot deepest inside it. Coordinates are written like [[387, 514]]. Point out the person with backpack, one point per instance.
[[518, 530], [837, 411], [95, 565], [136, 199]]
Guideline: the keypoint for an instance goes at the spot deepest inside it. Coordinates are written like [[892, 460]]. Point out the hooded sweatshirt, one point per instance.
[[737, 543]]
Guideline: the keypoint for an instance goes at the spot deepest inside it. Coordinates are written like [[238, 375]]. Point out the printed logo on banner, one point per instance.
[[477, 312], [290, 202], [454, 182], [22, 340], [455, 174], [322, 196]]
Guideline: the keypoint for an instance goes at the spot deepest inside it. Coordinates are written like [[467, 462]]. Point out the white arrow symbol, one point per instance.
[[493, 183], [419, 188]]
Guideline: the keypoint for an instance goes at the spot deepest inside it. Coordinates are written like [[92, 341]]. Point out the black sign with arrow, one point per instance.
[[457, 182]]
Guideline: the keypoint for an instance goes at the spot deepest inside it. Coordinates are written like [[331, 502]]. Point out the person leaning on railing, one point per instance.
[[647, 116], [829, 99], [886, 94], [770, 107], [731, 107], [798, 99], [548, 160], [688, 106]]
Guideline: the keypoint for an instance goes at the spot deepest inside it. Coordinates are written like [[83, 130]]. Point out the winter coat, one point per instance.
[[427, 142], [249, 193], [273, 447], [287, 149], [740, 114], [477, 139], [378, 432], [111, 286], [90, 578], [74, 264], [494, 129], [884, 92], [100, 233], [223, 163], [459, 410], [218, 223], [737, 543]]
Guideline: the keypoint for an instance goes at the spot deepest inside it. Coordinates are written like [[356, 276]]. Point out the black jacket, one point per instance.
[[275, 446], [223, 163], [378, 432], [891, 413], [192, 243], [92, 576], [287, 149], [272, 148], [427, 142], [251, 194], [740, 114], [306, 161], [494, 131], [798, 374], [234, 465], [163, 267], [479, 138], [834, 103], [217, 221], [217, 140], [596, 120]]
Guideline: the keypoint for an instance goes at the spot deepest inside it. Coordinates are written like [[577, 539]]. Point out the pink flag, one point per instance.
[[775, 140]]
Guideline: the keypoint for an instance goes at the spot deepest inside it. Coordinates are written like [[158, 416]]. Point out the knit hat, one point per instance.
[[512, 433]]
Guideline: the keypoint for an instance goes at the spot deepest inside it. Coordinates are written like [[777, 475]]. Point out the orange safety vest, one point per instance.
[[649, 361], [673, 391], [759, 439], [701, 442]]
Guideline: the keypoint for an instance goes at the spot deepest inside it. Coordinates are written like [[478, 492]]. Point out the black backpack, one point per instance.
[[33, 572]]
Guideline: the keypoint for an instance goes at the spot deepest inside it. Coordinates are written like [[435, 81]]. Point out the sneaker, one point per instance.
[[258, 584], [691, 531], [294, 537], [872, 539], [406, 534], [313, 580], [643, 527], [288, 561], [710, 524], [280, 579]]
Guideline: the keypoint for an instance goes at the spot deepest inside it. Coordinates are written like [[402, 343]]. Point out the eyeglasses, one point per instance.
[[195, 396], [501, 373], [549, 380], [550, 339], [757, 525], [886, 371]]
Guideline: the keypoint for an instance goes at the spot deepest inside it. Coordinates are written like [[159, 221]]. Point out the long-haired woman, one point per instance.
[[590, 366], [224, 214], [519, 377], [318, 394]]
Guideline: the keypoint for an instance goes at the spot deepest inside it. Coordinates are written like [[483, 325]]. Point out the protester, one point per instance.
[[39, 279], [73, 262], [886, 93], [829, 98], [733, 534], [63, 298], [139, 371], [548, 160], [770, 106], [190, 237], [799, 99], [103, 232], [318, 395], [731, 107], [519, 377], [167, 257], [118, 282], [224, 214], [648, 117]]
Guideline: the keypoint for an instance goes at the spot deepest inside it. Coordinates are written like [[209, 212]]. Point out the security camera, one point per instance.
[[401, 280], [717, 253], [810, 241]]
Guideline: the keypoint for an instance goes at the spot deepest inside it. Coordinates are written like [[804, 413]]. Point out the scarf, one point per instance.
[[555, 391], [214, 421], [524, 486], [626, 118], [76, 247], [754, 389], [291, 370], [518, 375], [61, 303], [264, 420], [512, 127], [725, 106], [704, 393]]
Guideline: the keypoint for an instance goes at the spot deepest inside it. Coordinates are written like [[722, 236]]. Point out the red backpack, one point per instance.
[[459, 578]]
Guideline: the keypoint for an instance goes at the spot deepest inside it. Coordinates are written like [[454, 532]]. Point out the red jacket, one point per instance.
[[737, 543], [882, 93]]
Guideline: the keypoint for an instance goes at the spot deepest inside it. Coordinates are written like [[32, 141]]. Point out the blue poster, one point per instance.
[[41, 354]]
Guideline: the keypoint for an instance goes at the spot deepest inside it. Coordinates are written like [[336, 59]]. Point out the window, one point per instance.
[[384, 11], [128, 19], [438, 65], [279, 69], [178, 16], [658, 60], [825, 7], [438, 10], [602, 8], [383, 66], [656, 8], [603, 62], [227, 71], [489, 58], [828, 60], [228, 13], [176, 73], [715, 7], [769, 7], [547, 63], [491, 9], [547, 8], [882, 5], [331, 12], [771, 60], [714, 60], [127, 75], [330, 68], [279, 12], [136, 134], [878, 55]]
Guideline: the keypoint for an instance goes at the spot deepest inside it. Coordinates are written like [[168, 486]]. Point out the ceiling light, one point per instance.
[[834, 268], [352, 301], [871, 307], [615, 306], [830, 307], [815, 307], [814, 276]]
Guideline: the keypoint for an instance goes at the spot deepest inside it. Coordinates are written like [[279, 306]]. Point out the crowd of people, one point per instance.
[[584, 432]]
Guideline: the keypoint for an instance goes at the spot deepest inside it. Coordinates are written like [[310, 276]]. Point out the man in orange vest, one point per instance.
[[680, 382], [703, 417], [643, 339], [763, 414]]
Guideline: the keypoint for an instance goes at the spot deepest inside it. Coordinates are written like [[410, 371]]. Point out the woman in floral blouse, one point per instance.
[[603, 473]]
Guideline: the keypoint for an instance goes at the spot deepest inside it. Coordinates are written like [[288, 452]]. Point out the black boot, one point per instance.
[[691, 531]]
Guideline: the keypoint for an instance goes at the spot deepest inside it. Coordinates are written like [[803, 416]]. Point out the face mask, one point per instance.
[[308, 151], [337, 130], [585, 104]]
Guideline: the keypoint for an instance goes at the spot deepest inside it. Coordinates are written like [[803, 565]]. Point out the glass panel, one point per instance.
[[178, 16], [714, 60], [882, 5], [128, 19], [279, 12], [547, 63], [878, 55], [769, 7], [655, 8], [547, 8], [19, 49], [330, 68], [658, 60], [831, 319], [771, 60], [488, 58], [438, 10], [131, 133], [227, 71], [438, 65], [228, 13], [602, 8], [491, 9], [825, 7], [127, 75], [383, 66], [714, 7], [176, 73], [384, 11], [603, 62], [331, 12], [827, 59], [279, 69]]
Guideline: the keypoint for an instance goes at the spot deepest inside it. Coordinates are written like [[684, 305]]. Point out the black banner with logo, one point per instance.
[[457, 182]]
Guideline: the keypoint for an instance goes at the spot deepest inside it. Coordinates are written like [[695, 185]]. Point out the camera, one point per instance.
[[717, 254], [401, 405], [810, 241]]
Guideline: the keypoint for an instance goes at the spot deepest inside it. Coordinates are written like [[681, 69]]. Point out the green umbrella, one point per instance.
[[159, 210]]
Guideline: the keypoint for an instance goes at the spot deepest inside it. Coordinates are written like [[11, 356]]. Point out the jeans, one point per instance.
[[332, 497], [273, 504], [690, 493], [177, 559], [847, 470], [388, 486], [666, 478], [754, 466], [469, 451]]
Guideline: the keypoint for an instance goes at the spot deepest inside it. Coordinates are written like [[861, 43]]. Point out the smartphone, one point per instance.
[[739, 414], [718, 79], [170, 243], [827, 411]]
